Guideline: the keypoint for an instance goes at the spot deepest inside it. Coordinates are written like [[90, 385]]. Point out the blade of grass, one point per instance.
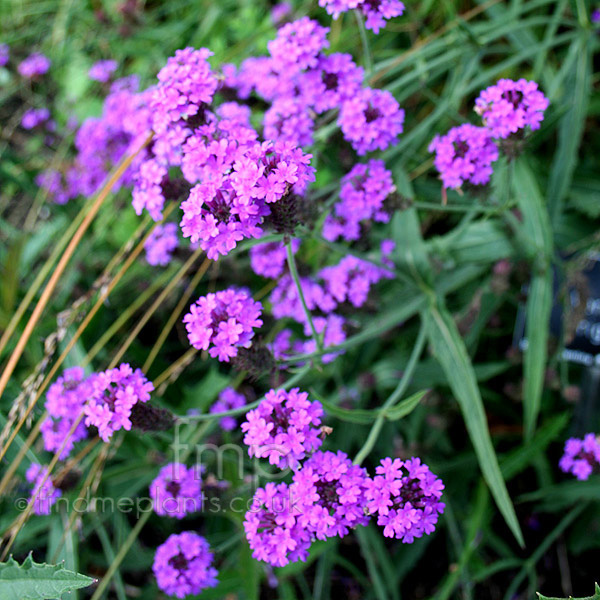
[[62, 264]]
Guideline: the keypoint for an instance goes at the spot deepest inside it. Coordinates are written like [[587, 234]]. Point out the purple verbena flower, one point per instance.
[[115, 392], [371, 120], [510, 106], [52, 181], [376, 12], [47, 494], [161, 244], [280, 12], [34, 65], [4, 54], [405, 495], [581, 456], [269, 259], [228, 400], [183, 565], [65, 400], [289, 119], [186, 84], [272, 527], [225, 321], [237, 186], [34, 117], [331, 494], [284, 427], [351, 279], [335, 79], [286, 302], [102, 70], [176, 491], [464, 154], [297, 45], [387, 249], [363, 193]]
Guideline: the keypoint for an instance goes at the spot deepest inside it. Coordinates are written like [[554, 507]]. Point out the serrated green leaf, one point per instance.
[[450, 350], [35, 581], [596, 596]]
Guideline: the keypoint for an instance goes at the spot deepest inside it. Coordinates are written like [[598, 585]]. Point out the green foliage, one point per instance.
[[596, 596], [38, 581]]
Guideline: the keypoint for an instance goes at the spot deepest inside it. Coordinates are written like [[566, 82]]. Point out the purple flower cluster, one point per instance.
[[34, 117], [34, 65], [510, 106], [101, 142], [375, 11], [269, 259], [183, 565], [464, 154], [176, 491], [185, 84], [297, 45], [238, 182], [301, 82], [284, 428], [225, 321], [47, 494], [330, 493], [161, 244], [581, 456], [362, 195], [351, 279], [102, 70], [114, 394], [65, 401], [371, 120], [228, 399], [405, 496], [272, 526]]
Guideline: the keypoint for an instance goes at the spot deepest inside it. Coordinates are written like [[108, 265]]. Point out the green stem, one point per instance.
[[121, 555], [294, 273], [365, 44], [244, 409], [394, 397]]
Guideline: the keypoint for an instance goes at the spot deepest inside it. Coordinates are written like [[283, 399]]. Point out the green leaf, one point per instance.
[[570, 132], [450, 350], [596, 596], [536, 225], [411, 253], [405, 407], [33, 581]]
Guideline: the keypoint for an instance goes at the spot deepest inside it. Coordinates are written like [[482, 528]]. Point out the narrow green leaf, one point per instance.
[[405, 407], [577, 92], [33, 581], [539, 306], [536, 225], [411, 254], [450, 350]]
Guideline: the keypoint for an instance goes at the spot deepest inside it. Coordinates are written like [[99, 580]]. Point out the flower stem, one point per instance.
[[394, 397], [294, 273], [365, 44]]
